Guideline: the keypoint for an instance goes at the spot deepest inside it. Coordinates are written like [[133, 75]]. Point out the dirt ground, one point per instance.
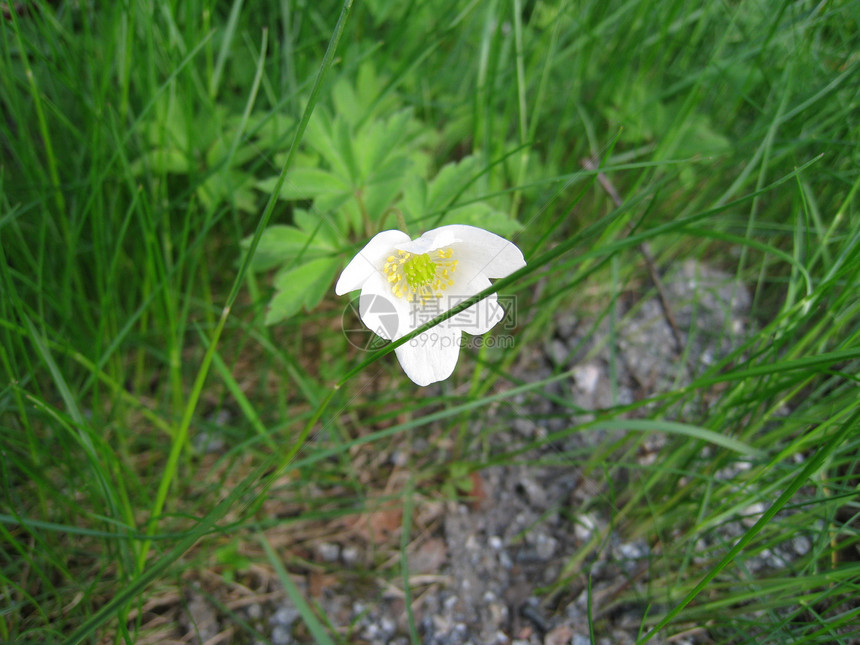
[[486, 571]]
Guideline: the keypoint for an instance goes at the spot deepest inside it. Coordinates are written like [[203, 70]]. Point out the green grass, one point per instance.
[[139, 145]]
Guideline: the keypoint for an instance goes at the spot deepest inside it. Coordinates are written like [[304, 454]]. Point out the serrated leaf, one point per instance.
[[345, 211], [281, 244], [168, 160], [283, 305], [414, 198], [304, 285], [319, 136], [374, 96], [379, 194], [219, 150], [380, 141], [306, 183], [484, 216], [167, 126], [343, 143], [449, 182], [271, 127], [318, 228], [346, 101]]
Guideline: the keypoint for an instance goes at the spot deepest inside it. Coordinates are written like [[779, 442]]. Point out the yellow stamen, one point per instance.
[[421, 276]]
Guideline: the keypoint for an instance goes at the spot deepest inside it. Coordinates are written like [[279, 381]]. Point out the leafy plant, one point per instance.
[[361, 173]]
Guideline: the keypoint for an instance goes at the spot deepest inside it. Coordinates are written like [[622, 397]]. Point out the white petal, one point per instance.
[[480, 317], [483, 315], [384, 314], [369, 260], [493, 255], [432, 240], [431, 356]]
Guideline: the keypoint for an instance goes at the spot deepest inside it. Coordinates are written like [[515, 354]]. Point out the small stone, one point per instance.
[[500, 638], [201, 616], [284, 616], [429, 557], [533, 491], [524, 426], [752, 513], [545, 545], [400, 458], [551, 573], [801, 545], [328, 551], [349, 555], [387, 625], [586, 377], [254, 611], [560, 635], [207, 442], [498, 613], [558, 352], [632, 550], [584, 527], [281, 635], [224, 417], [372, 631], [495, 542]]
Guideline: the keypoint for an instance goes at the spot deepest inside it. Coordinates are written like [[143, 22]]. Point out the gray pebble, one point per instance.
[[349, 555], [284, 616], [281, 635], [254, 611], [327, 551]]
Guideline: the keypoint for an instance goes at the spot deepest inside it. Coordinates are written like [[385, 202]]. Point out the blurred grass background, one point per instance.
[[136, 140]]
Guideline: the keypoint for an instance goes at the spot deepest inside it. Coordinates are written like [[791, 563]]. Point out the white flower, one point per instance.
[[406, 283]]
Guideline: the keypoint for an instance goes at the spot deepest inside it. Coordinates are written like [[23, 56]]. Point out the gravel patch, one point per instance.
[[485, 573]]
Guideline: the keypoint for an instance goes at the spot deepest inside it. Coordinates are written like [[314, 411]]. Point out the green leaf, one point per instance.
[[380, 141], [346, 101], [422, 199], [343, 145], [230, 187], [379, 194], [483, 215], [319, 137], [346, 213], [304, 285], [368, 98], [319, 228], [281, 244], [168, 160], [271, 127], [414, 200], [450, 181], [219, 150], [306, 183]]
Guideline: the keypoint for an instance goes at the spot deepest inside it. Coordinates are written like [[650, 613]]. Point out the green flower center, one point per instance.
[[422, 276], [419, 270]]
